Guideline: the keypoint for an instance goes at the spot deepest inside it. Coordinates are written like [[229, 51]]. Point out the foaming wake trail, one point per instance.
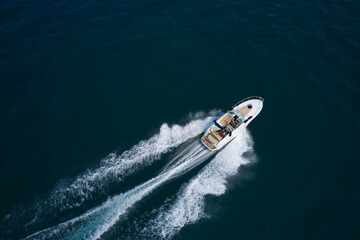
[[68, 195], [190, 201], [117, 167], [97, 221], [191, 151]]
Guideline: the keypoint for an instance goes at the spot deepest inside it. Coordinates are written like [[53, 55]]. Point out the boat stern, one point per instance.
[[208, 144]]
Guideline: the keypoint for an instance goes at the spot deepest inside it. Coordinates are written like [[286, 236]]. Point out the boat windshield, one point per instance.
[[239, 115]]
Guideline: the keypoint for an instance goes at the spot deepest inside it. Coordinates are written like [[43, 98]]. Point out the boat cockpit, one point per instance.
[[224, 126]]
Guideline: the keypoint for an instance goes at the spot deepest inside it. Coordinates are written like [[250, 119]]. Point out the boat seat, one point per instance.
[[212, 138], [234, 125], [225, 119], [221, 133], [229, 127]]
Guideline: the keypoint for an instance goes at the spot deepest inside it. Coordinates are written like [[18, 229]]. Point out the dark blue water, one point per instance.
[[98, 98]]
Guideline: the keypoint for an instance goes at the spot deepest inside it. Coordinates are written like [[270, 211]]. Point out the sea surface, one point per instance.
[[103, 103]]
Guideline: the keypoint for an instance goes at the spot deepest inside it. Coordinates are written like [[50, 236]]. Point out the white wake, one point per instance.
[[190, 201], [189, 204], [117, 167], [69, 195], [97, 221], [113, 169]]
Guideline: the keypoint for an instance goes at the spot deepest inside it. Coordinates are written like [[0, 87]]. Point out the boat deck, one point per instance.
[[244, 110], [213, 138], [225, 119], [209, 145]]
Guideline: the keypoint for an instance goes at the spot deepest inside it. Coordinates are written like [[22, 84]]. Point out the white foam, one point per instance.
[[117, 167], [211, 180], [95, 222], [68, 195]]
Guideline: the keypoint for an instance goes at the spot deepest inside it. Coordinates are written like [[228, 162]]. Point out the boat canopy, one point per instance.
[[238, 114]]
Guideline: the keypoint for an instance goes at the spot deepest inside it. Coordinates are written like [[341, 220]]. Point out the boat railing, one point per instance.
[[246, 99]]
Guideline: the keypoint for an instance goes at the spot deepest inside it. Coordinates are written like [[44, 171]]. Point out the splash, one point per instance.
[[113, 169], [117, 168], [189, 205], [94, 223]]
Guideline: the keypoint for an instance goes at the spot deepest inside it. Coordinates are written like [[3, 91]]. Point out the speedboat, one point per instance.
[[228, 126]]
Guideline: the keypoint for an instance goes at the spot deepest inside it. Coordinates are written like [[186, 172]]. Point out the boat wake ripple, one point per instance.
[[94, 223], [113, 169], [189, 204], [187, 208], [117, 167]]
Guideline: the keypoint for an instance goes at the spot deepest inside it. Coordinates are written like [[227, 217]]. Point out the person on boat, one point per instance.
[[234, 122], [221, 133]]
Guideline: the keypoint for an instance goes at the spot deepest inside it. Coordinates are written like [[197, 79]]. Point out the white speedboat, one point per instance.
[[228, 126]]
